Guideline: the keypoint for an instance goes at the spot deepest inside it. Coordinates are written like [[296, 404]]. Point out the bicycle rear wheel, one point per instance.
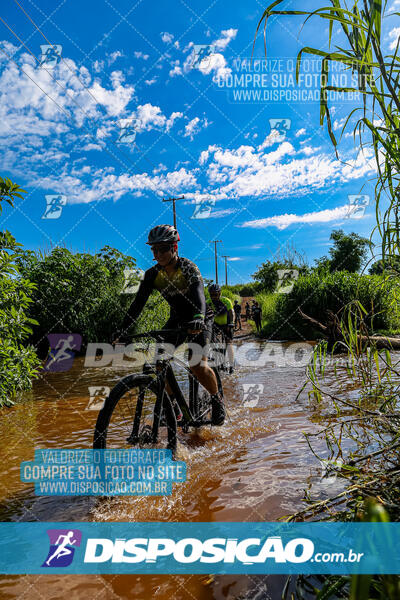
[[218, 351], [131, 414]]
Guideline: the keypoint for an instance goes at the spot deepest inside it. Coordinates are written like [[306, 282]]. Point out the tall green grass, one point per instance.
[[316, 296]]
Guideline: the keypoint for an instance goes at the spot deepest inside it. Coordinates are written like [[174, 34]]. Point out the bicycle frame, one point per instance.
[[165, 374]]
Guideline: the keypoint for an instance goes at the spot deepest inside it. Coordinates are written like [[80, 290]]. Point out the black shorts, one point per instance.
[[198, 342]]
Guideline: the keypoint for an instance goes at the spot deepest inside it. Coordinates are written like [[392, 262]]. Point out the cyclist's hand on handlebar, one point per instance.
[[196, 325]]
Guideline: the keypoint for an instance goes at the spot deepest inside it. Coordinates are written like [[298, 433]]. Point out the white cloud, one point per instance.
[[151, 81], [194, 126], [174, 116], [284, 221], [111, 58], [148, 117], [167, 37], [272, 138], [98, 66], [250, 172], [141, 55], [108, 186], [338, 123], [227, 35], [26, 109], [300, 132], [214, 63], [308, 150], [92, 146], [394, 35], [176, 70]]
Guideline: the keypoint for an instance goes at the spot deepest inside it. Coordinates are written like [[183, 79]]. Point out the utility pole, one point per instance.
[[226, 269], [215, 242], [173, 200]]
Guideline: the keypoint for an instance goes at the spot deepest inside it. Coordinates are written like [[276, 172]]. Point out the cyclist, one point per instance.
[[180, 283], [257, 314], [248, 312], [238, 316], [223, 311]]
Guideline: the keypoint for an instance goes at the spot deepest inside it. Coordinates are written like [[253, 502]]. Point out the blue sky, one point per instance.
[[196, 133]]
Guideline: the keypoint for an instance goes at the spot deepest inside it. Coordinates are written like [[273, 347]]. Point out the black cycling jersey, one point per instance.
[[183, 290]]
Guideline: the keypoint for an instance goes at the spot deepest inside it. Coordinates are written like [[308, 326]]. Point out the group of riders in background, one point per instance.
[[253, 312]]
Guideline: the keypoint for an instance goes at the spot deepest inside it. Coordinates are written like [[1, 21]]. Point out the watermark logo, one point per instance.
[[62, 547], [330, 468], [271, 80], [132, 281], [62, 351], [286, 277], [203, 208], [51, 55], [202, 55], [279, 128], [357, 205], [54, 206], [97, 396], [252, 393], [127, 134]]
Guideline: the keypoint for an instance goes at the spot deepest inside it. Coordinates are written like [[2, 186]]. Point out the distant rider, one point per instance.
[[238, 316], [223, 310]]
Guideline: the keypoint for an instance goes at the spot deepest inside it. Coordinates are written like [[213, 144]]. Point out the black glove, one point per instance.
[[196, 324]]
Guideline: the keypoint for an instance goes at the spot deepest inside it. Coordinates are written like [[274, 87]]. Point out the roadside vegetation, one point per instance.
[[327, 287], [18, 361]]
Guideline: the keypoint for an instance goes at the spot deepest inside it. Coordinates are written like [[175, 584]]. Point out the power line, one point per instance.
[[226, 269], [173, 200], [215, 242]]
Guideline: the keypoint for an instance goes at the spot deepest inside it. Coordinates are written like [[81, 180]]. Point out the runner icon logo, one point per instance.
[[202, 55], [132, 280], [62, 351], [251, 394], [127, 133], [203, 208], [54, 206], [357, 205], [98, 395], [286, 277], [51, 55], [62, 547], [279, 128]]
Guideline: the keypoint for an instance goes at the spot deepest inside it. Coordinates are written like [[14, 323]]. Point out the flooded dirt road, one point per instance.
[[254, 468]]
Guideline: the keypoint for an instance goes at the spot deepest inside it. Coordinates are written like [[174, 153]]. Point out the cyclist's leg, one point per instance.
[[170, 338], [228, 333], [198, 361]]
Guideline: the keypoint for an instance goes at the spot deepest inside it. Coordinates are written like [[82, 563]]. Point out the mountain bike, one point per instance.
[[139, 412], [218, 348]]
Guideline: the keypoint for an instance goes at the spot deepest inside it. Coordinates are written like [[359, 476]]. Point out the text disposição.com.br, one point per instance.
[[213, 550]]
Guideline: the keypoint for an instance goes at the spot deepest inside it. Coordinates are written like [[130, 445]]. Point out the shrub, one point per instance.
[[82, 293], [247, 290], [18, 364], [315, 296]]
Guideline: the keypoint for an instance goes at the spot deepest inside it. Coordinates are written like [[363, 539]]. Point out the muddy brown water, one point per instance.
[[254, 468]]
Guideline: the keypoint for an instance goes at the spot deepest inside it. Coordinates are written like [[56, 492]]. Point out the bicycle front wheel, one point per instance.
[[131, 416]]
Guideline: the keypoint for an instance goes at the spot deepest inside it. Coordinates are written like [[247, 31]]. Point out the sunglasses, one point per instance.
[[161, 249]]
